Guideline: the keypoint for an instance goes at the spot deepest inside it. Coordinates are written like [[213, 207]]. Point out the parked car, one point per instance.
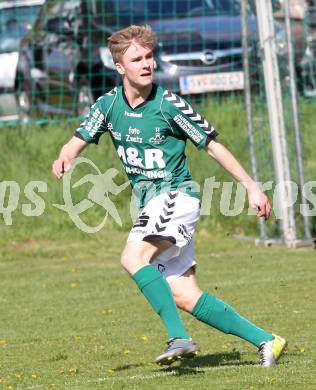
[[308, 63], [65, 64], [303, 28], [16, 20], [308, 66]]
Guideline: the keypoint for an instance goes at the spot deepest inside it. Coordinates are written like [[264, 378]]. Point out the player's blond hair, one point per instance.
[[121, 40]]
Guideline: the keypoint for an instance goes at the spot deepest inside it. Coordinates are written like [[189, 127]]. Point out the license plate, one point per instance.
[[211, 82]]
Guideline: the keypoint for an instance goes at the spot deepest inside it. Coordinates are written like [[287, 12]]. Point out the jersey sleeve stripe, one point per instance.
[[189, 112], [112, 92]]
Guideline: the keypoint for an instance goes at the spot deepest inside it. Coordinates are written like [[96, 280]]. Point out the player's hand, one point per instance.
[[259, 201], [60, 166]]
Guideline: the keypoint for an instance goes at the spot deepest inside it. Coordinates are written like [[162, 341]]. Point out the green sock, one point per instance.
[[221, 316], [158, 293]]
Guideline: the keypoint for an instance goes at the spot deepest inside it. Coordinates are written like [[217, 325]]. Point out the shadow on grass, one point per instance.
[[128, 366], [189, 366]]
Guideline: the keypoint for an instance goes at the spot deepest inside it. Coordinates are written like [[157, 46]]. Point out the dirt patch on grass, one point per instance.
[[26, 244]]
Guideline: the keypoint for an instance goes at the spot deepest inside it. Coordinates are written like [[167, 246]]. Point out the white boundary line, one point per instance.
[[143, 377]]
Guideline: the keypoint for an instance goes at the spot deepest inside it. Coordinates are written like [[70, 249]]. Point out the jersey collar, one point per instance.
[[150, 97]]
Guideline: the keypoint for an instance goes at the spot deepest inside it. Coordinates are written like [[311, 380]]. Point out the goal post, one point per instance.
[[249, 117], [276, 119]]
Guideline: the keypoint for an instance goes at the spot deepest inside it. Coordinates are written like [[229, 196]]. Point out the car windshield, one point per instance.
[[124, 12], [15, 22]]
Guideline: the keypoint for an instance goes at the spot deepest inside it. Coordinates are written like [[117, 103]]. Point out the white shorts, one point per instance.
[[170, 216]]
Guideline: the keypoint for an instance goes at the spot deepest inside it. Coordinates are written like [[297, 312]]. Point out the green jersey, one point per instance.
[[150, 139]]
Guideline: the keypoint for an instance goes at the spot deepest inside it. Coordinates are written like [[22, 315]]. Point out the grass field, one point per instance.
[[71, 318]]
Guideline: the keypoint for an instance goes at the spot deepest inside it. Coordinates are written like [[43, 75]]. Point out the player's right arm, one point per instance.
[[88, 132], [68, 152]]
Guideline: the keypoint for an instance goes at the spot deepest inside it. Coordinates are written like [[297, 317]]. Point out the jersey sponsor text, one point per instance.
[[133, 114], [153, 158], [130, 138], [116, 135], [94, 123], [149, 174], [188, 128]]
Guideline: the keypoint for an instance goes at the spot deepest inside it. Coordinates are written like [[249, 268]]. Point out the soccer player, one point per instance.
[[149, 127]]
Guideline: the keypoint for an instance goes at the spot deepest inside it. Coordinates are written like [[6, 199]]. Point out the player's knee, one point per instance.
[[132, 262], [185, 301], [125, 260]]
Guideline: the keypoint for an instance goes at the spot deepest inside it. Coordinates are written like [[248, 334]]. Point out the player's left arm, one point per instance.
[[257, 199]]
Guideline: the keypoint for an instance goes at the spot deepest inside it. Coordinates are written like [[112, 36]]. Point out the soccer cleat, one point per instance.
[[177, 349], [270, 351]]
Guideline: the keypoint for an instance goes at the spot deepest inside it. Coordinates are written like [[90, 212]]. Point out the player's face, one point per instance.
[[137, 66]]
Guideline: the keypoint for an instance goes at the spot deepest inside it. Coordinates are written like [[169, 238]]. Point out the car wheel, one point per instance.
[[84, 98], [24, 102]]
